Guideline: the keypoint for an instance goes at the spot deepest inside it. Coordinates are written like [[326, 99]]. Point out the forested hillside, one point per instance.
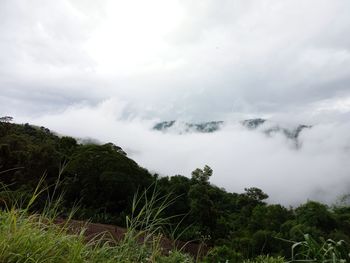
[[102, 180]]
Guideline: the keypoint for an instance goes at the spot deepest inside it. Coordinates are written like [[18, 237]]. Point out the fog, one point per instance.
[[111, 69], [318, 170]]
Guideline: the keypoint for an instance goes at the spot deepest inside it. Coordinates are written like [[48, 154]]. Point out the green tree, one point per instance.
[[6, 119], [315, 214], [202, 175], [255, 194], [99, 176]]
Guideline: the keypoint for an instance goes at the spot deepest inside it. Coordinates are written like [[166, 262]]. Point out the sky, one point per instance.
[[110, 69]]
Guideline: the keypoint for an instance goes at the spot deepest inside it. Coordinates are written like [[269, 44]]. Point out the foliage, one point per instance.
[[202, 176], [175, 257], [26, 237], [93, 173], [96, 171], [223, 254], [320, 251], [103, 180], [6, 119], [316, 215], [265, 259]]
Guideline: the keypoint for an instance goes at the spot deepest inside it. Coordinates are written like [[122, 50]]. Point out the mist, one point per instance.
[[109, 70], [317, 170]]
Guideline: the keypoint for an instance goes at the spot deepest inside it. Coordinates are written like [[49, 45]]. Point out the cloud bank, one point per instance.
[[240, 157], [174, 59], [110, 69]]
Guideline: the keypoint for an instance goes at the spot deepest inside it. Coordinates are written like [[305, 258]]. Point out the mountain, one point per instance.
[[253, 123], [271, 129], [184, 127], [263, 125], [289, 133]]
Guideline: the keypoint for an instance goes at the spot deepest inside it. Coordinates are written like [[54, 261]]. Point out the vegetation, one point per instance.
[[102, 181], [324, 251], [33, 237]]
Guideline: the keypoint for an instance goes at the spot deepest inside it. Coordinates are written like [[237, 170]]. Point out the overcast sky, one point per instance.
[[175, 58], [67, 64]]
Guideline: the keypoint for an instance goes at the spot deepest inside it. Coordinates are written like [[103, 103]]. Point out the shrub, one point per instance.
[[265, 259], [223, 254]]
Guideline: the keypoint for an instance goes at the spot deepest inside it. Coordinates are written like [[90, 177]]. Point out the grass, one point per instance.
[[27, 237], [35, 237], [324, 251], [265, 259]]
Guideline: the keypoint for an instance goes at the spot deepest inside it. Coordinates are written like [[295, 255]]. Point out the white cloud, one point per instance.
[[239, 157], [62, 61], [251, 56]]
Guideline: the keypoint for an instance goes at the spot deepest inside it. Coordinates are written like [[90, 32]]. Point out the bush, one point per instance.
[[223, 254], [265, 259], [320, 251], [26, 237]]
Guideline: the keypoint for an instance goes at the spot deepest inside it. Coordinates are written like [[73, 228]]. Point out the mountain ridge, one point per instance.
[[180, 127]]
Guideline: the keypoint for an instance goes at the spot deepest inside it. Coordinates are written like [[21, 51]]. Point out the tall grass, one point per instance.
[[326, 251], [265, 259], [27, 237], [145, 228]]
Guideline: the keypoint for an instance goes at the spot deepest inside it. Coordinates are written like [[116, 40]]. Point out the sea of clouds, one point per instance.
[[318, 170]]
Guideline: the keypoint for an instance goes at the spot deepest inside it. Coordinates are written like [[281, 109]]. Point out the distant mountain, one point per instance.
[[269, 128], [253, 123], [184, 127], [291, 133]]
